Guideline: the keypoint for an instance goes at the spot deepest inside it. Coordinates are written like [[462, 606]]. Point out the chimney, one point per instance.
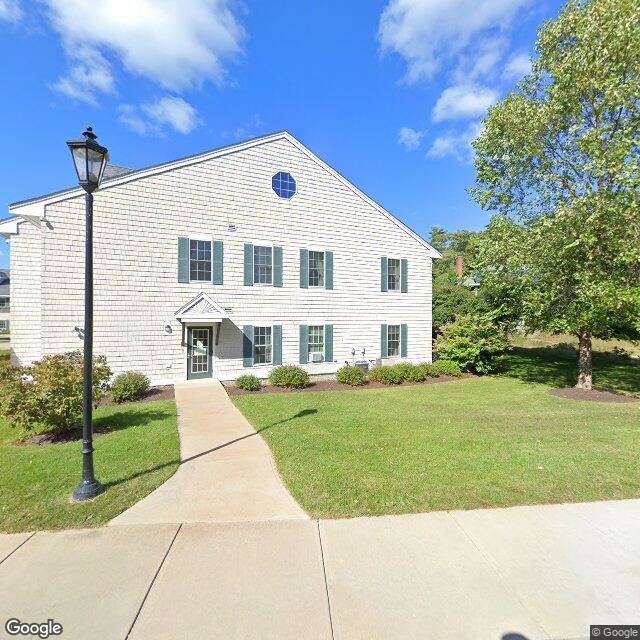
[[459, 267]]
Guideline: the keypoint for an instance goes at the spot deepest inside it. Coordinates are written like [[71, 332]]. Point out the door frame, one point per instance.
[[211, 354]]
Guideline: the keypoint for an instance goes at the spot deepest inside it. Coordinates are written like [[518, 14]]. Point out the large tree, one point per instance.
[[558, 161]]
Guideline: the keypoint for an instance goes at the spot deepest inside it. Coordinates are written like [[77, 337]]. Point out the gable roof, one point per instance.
[[201, 308], [135, 174]]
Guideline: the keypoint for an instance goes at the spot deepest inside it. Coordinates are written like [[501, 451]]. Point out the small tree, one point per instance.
[[558, 161]]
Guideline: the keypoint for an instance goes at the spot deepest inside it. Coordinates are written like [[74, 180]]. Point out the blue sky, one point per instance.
[[388, 92]]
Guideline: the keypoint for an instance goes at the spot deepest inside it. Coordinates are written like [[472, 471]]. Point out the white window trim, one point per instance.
[[324, 341], [260, 243], [399, 289], [324, 268], [261, 325], [274, 194], [399, 325], [199, 236]]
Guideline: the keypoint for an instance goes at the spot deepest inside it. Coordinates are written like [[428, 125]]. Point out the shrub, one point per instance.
[[387, 374], [351, 375], [130, 385], [472, 342], [248, 382], [417, 372], [289, 375], [46, 397], [444, 368]]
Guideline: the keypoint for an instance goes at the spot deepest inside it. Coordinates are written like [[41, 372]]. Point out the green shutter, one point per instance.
[[404, 330], [218, 263], [384, 346], [328, 269], [277, 266], [247, 345], [276, 345], [404, 275], [304, 344], [304, 268], [383, 274], [328, 343], [248, 265], [183, 259]]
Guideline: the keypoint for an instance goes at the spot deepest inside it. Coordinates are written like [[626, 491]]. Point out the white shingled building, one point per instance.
[[223, 263]]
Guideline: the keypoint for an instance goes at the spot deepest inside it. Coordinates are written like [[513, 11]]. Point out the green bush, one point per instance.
[[417, 372], [444, 368], [46, 397], [472, 342], [130, 385], [351, 375], [387, 374], [289, 375], [248, 382]]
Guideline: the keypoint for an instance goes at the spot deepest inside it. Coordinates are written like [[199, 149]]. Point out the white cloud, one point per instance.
[[247, 130], [456, 145], [174, 43], [153, 118], [517, 67], [463, 102], [410, 138], [10, 11], [428, 33], [89, 76]]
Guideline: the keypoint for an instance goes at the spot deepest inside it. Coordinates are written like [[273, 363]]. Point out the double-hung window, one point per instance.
[[262, 265], [393, 340], [393, 274], [316, 268], [316, 340], [262, 345], [4, 302], [200, 260]]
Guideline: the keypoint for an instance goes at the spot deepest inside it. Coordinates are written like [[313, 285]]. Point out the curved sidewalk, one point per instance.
[[226, 473]]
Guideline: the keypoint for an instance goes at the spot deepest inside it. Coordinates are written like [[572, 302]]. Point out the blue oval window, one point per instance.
[[284, 185]]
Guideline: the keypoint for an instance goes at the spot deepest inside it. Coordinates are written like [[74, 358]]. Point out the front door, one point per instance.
[[199, 350]]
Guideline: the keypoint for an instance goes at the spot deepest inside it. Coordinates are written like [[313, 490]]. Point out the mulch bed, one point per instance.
[[155, 393], [69, 435], [593, 395], [332, 385], [75, 434]]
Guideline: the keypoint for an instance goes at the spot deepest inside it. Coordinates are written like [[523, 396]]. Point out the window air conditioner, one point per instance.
[[316, 357]]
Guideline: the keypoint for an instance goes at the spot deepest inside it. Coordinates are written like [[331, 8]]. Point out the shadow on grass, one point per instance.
[[142, 472], [557, 365], [127, 418]]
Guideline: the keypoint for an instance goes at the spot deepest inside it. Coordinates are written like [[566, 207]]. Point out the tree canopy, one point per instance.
[[558, 162]]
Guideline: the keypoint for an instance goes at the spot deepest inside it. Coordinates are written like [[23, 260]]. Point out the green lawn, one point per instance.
[[480, 442], [557, 365], [138, 455]]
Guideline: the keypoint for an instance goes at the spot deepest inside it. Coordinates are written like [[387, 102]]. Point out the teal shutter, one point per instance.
[[247, 345], [248, 265], [404, 330], [328, 269], [404, 275], [304, 344], [277, 266], [328, 343], [304, 268], [218, 263], [276, 340], [183, 259], [383, 274], [384, 346]]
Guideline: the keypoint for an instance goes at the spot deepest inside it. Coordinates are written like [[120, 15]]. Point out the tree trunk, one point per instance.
[[584, 360]]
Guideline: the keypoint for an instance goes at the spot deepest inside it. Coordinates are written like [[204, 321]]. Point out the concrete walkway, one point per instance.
[[226, 474], [524, 573]]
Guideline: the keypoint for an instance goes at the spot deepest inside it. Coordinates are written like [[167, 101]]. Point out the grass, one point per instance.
[[137, 456], [552, 361], [5, 355], [481, 442]]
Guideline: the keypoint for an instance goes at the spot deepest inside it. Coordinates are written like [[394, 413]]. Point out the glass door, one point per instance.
[[199, 352]]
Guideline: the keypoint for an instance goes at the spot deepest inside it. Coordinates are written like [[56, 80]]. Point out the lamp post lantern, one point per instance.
[[90, 160]]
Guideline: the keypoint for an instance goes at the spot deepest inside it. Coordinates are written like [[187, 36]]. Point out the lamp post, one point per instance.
[[90, 160]]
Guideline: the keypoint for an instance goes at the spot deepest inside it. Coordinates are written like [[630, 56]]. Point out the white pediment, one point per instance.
[[201, 309]]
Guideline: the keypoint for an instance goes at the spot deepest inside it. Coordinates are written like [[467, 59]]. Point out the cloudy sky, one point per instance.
[[388, 92]]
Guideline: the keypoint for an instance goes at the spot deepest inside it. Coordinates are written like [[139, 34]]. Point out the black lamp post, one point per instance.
[[90, 160]]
